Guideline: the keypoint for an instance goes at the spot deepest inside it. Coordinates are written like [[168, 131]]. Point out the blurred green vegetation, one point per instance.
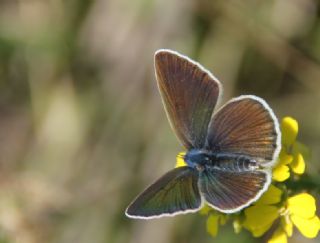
[[82, 127]]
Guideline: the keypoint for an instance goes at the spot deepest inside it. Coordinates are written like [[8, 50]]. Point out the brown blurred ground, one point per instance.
[[82, 127]]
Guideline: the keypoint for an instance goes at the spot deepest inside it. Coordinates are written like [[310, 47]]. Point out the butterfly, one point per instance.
[[230, 152]]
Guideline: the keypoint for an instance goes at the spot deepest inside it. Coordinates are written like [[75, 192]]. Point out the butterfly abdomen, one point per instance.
[[232, 162], [201, 159]]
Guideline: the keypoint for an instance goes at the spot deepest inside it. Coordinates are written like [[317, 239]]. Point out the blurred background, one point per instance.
[[82, 127]]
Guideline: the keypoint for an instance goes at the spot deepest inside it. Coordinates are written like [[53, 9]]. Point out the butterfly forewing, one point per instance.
[[245, 125], [229, 191], [189, 93], [175, 192]]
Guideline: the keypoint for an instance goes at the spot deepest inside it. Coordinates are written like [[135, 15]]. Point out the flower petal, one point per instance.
[[308, 227], [303, 205], [237, 226], [180, 161], [284, 158], [298, 165], [259, 230], [260, 214], [279, 236], [287, 225], [205, 209], [289, 128], [271, 196], [259, 218], [281, 173], [212, 224]]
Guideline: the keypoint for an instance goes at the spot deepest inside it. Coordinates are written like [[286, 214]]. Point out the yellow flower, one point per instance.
[[214, 220], [205, 209], [279, 236], [291, 151], [299, 210], [237, 224], [281, 172], [180, 161], [260, 216]]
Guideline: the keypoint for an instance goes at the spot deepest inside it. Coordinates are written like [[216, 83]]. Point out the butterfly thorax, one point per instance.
[[202, 159]]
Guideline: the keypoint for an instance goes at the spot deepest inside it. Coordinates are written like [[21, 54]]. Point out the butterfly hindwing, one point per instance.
[[174, 193], [229, 191], [246, 125], [189, 94]]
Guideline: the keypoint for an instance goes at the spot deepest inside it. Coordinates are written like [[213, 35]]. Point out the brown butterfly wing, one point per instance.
[[246, 125], [189, 94], [176, 192], [230, 191]]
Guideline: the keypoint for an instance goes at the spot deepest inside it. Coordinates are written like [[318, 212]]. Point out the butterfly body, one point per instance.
[[201, 160], [231, 151]]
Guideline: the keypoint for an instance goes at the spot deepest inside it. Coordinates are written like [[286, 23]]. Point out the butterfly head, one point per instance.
[[197, 158]]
